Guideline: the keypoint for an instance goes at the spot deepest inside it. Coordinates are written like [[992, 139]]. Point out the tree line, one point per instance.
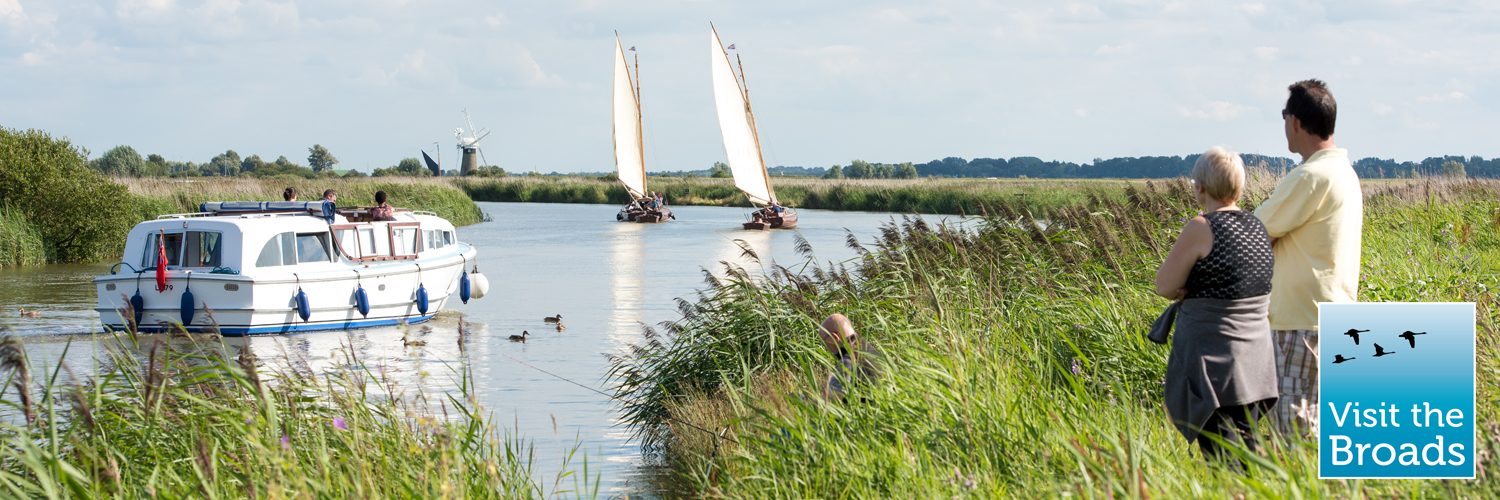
[[1154, 167], [125, 161]]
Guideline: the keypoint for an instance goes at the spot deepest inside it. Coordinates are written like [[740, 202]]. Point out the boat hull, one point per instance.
[[663, 214], [242, 305], [786, 220]]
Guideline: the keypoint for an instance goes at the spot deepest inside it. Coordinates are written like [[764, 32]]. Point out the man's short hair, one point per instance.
[[380, 197], [1221, 172], [1313, 104], [329, 192]]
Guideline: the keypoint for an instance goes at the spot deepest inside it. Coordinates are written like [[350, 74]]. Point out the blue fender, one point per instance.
[[422, 299], [138, 305], [304, 309], [463, 287], [187, 306], [362, 301]]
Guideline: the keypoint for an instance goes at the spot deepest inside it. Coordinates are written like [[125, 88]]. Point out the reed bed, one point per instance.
[[191, 417], [21, 244], [1013, 359], [928, 196]]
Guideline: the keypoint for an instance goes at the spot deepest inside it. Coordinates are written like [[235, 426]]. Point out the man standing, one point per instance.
[[1314, 218]]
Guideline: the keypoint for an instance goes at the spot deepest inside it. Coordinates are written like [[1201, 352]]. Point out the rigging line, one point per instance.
[[612, 398]]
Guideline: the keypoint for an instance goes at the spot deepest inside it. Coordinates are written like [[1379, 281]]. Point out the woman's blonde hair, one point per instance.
[[1221, 172]]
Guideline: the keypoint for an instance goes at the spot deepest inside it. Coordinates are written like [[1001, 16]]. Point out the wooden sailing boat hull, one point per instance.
[[786, 220], [651, 216]]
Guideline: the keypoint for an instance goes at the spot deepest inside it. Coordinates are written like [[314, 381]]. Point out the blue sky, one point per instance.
[[379, 80]]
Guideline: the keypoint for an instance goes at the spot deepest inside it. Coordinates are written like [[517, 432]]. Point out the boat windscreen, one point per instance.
[[312, 247]]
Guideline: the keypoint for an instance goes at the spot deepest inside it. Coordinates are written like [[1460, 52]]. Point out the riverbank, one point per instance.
[[1014, 360], [923, 196]]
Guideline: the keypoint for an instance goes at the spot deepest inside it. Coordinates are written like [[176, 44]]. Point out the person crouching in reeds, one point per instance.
[[1221, 374]]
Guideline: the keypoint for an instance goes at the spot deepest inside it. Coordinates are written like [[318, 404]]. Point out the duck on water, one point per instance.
[[274, 267]]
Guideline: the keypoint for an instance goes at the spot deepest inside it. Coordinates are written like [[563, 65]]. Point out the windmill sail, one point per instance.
[[737, 123], [630, 158]]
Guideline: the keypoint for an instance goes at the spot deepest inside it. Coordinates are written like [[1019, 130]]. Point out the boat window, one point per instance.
[[348, 241], [427, 239], [312, 247], [367, 242], [404, 240], [173, 243], [203, 249], [447, 237], [288, 249], [270, 255]]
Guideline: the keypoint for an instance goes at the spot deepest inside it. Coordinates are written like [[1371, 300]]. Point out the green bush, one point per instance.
[[78, 211]]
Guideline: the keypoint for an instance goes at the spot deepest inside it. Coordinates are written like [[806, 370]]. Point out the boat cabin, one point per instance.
[[256, 238]]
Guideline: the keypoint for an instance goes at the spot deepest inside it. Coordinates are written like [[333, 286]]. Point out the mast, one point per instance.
[[640, 130], [755, 130]]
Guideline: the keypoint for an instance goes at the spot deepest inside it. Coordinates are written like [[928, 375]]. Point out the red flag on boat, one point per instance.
[[161, 263], [731, 46]]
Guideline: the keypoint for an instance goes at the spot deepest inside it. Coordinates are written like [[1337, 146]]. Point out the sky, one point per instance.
[[375, 81]]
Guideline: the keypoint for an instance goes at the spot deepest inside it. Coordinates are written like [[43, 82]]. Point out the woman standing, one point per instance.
[[1221, 374]]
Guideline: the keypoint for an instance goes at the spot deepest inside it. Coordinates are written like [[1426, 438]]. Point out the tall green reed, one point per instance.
[[1013, 354], [21, 244], [191, 416]]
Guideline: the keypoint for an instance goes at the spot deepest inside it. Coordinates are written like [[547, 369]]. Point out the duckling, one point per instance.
[[29, 314], [412, 343], [553, 319], [521, 337], [560, 327]]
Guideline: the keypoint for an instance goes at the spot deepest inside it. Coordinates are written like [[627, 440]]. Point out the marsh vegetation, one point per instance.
[[1014, 360]]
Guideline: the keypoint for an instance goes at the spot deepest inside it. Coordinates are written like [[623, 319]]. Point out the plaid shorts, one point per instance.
[[1297, 366]]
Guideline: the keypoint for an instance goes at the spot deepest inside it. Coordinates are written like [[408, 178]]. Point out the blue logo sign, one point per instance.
[[1397, 390]]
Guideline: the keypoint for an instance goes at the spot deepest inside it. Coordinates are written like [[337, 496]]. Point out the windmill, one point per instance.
[[470, 145]]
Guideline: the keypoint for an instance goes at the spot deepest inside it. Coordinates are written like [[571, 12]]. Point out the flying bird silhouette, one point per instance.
[[1354, 334], [1339, 358], [1411, 337], [1380, 351]]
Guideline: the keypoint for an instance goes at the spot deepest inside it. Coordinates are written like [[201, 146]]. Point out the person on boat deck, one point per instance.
[[382, 211], [330, 195], [655, 201], [1221, 373], [855, 357], [776, 207], [290, 194]]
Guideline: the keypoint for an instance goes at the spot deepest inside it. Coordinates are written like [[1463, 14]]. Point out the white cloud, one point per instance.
[[1451, 96], [1383, 109], [1267, 53], [1217, 110], [1353, 60], [496, 20], [1252, 8], [1082, 113], [1123, 49], [11, 10], [890, 14]]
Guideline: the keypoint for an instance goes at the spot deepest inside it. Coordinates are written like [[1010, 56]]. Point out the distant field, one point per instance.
[[928, 196]]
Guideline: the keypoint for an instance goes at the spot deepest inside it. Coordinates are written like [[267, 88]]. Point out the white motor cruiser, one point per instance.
[[243, 268]]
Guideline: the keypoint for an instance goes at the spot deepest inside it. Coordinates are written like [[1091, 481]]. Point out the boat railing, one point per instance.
[[424, 212], [186, 215]]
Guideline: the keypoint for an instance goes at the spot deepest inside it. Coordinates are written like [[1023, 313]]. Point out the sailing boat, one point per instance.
[[742, 143], [630, 151]]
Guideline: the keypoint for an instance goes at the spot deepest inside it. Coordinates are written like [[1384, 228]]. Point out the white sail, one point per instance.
[[738, 126], [630, 158]]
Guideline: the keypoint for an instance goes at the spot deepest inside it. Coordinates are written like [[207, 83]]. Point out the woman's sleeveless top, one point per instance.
[[1240, 263]]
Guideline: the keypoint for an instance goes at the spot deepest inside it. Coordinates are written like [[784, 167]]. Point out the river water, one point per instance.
[[607, 279]]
